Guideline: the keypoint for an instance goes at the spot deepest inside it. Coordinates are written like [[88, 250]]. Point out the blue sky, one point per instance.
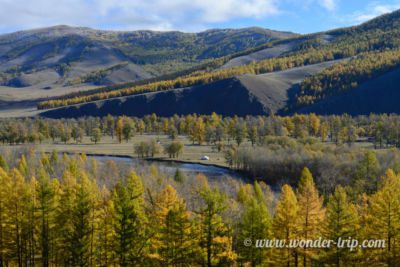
[[301, 16]]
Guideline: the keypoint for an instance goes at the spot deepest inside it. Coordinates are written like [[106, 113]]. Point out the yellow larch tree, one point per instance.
[[284, 226], [310, 213]]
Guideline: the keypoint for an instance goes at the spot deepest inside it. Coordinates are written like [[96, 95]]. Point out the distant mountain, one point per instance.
[[233, 72], [62, 55], [356, 73]]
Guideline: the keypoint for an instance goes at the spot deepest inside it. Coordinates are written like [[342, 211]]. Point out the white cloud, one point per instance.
[[23, 14], [131, 14], [373, 10], [328, 4]]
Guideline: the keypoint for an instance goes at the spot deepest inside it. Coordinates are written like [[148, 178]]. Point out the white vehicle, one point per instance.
[[205, 158]]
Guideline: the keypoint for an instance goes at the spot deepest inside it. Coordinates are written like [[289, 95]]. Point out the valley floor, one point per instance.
[[108, 146], [22, 102], [192, 153]]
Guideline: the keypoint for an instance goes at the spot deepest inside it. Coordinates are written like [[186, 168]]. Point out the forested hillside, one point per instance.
[[374, 46], [63, 55], [199, 78], [263, 94], [347, 75]]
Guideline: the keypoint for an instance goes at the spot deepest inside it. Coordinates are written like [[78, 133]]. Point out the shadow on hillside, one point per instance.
[[291, 101]]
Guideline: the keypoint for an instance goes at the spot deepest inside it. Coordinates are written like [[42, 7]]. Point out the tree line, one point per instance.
[[281, 160], [220, 132]]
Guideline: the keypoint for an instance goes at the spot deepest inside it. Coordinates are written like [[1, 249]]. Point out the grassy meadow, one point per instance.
[[108, 146]]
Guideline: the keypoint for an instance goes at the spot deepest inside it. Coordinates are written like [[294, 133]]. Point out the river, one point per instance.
[[169, 167]]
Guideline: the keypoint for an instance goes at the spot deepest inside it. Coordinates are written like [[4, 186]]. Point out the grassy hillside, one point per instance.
[[67, 55], [377, 35], [194, 79], [276, 49], [244, 95]]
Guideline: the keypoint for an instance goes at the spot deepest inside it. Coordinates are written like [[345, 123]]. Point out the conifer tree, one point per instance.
[[64, 219], [128, 129], [314, 124], [81, 224], [240, 133], [3, 163], [255, 225], [253, 135], [179, 177], [384, 220], [141, 126], [77, 134], [110, 125], [323, 131], [96, 135], [199, 131], [129, 221], [32, 231], [215, 240], [284, 226], [367, 173], [311, 213], [244, 193], [119, 125], [173, 243], [17, 214], [23, 166], [5, 218], [341, 222], [106, 234], [46, 194]]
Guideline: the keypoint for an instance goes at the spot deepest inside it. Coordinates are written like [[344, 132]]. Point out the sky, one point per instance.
[[300, 16]]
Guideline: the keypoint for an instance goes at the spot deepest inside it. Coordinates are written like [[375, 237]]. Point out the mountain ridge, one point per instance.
[[74, 53], [251, 61]]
